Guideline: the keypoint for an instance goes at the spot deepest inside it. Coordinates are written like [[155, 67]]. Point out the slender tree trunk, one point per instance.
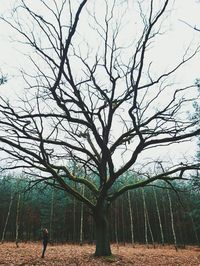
[[17, 221], [131, 218], [150, 230], [116, 225], [66, 222], [145, 220], [51, 216], [74, 210], [123, 223], [74, 220], [180, 226], [172, 220], [81, 222], [138, 221], [166, 229], [92, 231], [102, 230], [194, 229], [193, 222], [7, 218], [159, 217]]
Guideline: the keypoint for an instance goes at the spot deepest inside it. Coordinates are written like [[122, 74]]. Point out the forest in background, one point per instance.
[[154, 214]]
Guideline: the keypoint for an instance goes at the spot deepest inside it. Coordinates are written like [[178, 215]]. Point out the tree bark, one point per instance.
[[102, 230]]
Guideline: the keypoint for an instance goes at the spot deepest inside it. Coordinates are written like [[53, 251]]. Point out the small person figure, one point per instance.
[[45, 237]]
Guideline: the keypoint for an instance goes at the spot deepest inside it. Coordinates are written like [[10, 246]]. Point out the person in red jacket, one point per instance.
[[45, 238]]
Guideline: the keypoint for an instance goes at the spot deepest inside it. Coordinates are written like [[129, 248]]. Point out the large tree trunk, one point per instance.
[[102, 230]]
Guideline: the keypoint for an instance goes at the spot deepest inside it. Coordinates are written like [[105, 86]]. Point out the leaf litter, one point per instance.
[[74, 255]]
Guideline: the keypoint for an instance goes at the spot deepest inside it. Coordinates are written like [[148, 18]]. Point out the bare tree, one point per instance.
[[93, 102]]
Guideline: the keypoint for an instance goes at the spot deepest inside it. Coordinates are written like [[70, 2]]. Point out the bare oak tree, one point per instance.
[[93, 101]]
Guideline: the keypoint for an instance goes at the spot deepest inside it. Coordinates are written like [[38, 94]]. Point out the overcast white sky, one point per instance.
[[187, 10], [171, 46]]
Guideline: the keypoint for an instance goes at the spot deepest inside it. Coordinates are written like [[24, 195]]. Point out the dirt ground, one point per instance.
[[61, 255]]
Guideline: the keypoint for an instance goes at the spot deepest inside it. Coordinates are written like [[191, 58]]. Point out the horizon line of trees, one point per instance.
[[150, 215]]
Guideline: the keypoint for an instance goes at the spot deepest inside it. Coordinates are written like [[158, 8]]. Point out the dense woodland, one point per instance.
[[154, 214]]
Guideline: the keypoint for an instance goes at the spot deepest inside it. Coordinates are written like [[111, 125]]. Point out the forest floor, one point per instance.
[[61, 255]]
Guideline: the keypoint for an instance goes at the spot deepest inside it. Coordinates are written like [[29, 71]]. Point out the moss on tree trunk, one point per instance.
[[102, 231]]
